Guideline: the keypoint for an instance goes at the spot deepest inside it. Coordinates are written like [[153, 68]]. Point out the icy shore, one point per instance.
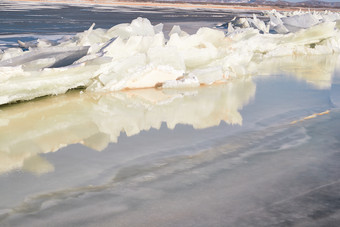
[[138, 55]]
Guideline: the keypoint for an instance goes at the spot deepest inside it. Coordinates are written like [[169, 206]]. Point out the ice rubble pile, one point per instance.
[[282, 23], [137, 55]]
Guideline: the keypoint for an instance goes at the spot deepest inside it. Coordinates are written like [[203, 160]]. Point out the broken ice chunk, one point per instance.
[[297, 22], [209, 75], [138, 27], [167, 56], [176, 29], [63, 56]]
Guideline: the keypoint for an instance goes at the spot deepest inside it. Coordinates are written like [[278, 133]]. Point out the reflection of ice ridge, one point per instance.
[[226, 155], [43, 126]]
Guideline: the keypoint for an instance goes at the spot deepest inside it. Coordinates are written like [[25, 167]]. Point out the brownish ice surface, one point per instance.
[[184, 5]]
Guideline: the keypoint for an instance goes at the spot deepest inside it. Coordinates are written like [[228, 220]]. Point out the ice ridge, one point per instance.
[[137, 55]]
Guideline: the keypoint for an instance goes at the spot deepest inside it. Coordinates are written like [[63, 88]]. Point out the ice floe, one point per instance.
[[138, 55]]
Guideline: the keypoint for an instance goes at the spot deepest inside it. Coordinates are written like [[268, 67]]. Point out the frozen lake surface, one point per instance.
[[256, 151]]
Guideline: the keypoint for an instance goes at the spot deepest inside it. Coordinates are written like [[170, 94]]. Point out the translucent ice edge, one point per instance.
[[137, 55]]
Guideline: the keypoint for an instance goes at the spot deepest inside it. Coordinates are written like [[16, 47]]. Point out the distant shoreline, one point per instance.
[[231, 6]]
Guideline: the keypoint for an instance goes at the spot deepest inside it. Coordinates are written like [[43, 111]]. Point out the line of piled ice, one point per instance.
[[137, 55]]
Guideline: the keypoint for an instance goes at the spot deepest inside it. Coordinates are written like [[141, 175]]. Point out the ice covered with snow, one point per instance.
[[138, 55]]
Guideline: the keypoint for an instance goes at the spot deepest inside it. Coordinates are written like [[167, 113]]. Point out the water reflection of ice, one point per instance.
[[316, 70], [46, 125], [232, 174]]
